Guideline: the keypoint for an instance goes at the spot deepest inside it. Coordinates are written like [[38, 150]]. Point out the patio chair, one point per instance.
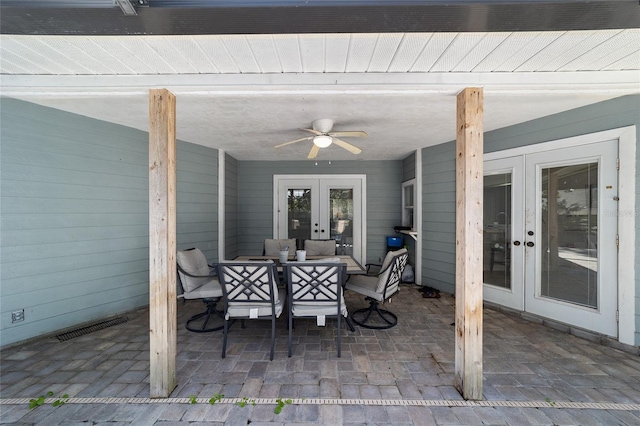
[[197, 279], [378, 289], [272, 247], [315, 291], [250, 292], [320, 247]]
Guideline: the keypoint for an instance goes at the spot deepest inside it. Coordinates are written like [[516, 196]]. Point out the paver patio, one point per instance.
[[533, 374]]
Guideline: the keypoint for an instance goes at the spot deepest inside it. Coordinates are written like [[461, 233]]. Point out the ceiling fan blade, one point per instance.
[[315, 132], [314, 152], [290, 142], [352, 134], [346, 145]]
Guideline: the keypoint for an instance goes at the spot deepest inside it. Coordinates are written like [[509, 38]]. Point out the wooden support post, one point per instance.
[[469, 196], [162, 242]]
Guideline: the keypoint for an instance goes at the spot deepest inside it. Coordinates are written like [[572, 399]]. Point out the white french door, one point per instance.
[[503, 232], [321, 207], [550, 234]]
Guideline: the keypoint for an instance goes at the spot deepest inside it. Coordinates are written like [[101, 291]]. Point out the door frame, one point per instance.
[[626, 137], [363, 187]]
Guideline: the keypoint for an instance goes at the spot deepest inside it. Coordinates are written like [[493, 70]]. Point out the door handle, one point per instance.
[[516, 243], [322, 230], [530, 244], [316, 231]]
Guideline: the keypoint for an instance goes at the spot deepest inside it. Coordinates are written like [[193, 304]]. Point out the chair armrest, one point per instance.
[[369, 265], [213, 272]]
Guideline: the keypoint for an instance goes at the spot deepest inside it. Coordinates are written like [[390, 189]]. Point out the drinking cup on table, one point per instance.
[[284, 255], [301, 255]]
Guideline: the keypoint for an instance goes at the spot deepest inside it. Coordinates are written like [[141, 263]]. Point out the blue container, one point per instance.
[[394, 242]]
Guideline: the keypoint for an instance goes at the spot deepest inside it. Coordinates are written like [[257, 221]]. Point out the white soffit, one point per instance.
[[319, 53], [246, 93]]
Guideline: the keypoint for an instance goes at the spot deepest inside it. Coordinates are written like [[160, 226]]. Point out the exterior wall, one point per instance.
[[255, 203], [439, 217], [74, 209], [197, 199], [231, 207], [409, 168], [438, 175]]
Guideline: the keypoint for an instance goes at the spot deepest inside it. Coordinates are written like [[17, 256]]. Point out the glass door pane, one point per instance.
[[299, 213], [569, 202], [341, 219], [497, 230]]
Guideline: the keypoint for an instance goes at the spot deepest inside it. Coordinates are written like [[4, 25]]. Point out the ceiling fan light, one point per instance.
[[322, 141]]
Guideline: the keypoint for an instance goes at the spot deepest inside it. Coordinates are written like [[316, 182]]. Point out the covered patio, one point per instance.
[[533, 373]]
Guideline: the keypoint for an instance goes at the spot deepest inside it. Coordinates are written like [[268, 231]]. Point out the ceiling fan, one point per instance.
[[323, 137]]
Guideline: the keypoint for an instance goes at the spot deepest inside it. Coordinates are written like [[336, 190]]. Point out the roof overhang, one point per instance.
[[189, 17]]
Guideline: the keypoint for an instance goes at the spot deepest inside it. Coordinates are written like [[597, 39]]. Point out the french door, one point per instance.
[[320, 207], [550, 234]]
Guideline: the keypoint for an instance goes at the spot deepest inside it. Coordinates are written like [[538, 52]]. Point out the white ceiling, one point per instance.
[[246, 93]]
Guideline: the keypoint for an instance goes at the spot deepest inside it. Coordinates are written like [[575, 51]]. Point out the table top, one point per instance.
[[353, 267]]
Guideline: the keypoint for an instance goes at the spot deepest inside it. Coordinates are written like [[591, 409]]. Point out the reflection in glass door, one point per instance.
[[569, 227], [299, 213], [502, 232], [497, 230], [341, 219]]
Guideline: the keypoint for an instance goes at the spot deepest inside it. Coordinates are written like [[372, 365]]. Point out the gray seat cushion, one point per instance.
[[243, 309], [210, 289], [320, 247], [364, 285], [272, 247]]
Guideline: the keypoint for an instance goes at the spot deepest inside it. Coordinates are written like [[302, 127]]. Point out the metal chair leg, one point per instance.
[[389, 318]]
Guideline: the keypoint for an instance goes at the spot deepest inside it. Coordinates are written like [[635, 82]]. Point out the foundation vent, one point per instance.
[[91, 328]]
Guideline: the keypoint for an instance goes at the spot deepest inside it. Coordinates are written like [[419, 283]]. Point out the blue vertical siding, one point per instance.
[[74, 217]]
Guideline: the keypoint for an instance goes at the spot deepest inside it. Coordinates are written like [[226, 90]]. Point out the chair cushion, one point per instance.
[[364, 285], [243, 309], [320, 247], [193, 262], [211, 289], [272, 247], [305, 310]]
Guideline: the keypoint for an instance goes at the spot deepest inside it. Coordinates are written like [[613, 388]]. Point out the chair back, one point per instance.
[[320, 247], [316, 284], [390, 275], [249, 285], [272, 247], [193, 270]]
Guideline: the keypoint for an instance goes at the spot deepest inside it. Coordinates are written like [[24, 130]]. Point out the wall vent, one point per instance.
[[91, 328]]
